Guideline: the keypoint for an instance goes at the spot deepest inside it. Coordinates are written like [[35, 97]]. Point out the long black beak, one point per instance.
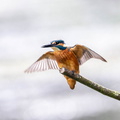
[[50, 45]]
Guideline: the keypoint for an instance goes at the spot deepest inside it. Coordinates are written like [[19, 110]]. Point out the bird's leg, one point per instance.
[[72, 72]]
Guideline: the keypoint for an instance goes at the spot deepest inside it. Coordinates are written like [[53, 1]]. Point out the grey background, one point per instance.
[[25, 26]]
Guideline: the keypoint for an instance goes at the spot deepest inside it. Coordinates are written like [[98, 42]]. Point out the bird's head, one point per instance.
[[56, 45]]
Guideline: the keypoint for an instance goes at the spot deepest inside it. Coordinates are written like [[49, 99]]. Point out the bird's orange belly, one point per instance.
[[68, 60]]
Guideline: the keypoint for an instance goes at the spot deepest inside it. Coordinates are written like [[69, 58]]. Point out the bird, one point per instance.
[[62, 56]]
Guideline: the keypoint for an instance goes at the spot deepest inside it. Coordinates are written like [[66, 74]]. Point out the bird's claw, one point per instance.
[[73, 72]]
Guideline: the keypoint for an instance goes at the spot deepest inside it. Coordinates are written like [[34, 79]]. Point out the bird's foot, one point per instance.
[[72, 72]]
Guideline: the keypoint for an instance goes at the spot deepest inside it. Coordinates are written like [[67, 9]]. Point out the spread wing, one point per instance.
[[83, 54], [45, 62]]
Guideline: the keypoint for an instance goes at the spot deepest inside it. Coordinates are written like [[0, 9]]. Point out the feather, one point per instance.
[[45, 62], [83, 54]]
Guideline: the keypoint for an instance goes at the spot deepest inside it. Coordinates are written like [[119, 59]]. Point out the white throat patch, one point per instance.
[[55, 48]]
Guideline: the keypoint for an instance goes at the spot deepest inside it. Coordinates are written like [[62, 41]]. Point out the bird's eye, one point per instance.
[[57, 42]]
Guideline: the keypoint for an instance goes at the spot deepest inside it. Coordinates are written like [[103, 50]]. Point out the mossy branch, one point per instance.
[[93, 85]]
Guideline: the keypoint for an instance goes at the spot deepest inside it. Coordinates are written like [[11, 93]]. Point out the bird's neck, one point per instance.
[[59, 47]]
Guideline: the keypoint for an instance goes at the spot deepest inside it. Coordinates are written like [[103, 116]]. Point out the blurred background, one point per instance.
[[25, 26]]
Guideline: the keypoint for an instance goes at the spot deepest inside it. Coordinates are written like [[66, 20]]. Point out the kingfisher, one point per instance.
[[64, 57]]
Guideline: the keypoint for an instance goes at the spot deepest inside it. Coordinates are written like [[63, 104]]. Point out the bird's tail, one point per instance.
[[70, 82]]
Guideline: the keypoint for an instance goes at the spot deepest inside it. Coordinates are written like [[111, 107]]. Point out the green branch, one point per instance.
[[95, 86]]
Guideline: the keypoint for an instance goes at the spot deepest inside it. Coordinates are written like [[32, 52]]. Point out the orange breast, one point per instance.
[[67, 59]]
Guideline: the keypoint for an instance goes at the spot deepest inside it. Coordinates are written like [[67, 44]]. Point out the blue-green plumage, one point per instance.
[[58, 41], [60, 47]]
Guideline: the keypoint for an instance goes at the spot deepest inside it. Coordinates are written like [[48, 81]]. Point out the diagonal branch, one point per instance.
[[93, 85]]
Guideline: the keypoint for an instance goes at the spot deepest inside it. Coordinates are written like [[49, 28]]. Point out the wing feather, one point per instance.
[[83, 54], [45, 62]]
